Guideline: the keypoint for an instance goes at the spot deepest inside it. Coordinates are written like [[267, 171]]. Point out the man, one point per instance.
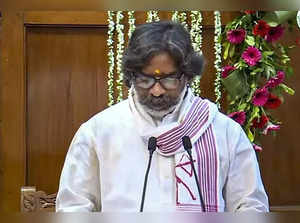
[[105, 166]]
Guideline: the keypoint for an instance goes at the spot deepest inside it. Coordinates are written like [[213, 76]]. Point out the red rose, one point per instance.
[[261, 28], [273, 102], [260, 123]]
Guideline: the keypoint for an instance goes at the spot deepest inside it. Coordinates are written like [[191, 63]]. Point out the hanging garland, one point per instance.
[[120, 50], [183, 19], [196, 36], [152, 16], [175, 16], [131, 23], [218, 52], [111, 58]]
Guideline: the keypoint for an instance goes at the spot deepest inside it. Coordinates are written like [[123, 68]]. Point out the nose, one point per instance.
[[157, 90]]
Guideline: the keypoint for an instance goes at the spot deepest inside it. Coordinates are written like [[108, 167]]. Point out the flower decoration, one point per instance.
[[249, 12], [226, 71], [274, 33], [260, 97], [260, 122], [273, 102], [239, 117], [256, 147], [236, 36], [261, 28], [218, 54], [275, 81], [251, 56], [256, 65], [271, 127]]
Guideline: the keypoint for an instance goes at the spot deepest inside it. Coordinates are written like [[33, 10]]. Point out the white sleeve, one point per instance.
[[244, 190], [79, 188]]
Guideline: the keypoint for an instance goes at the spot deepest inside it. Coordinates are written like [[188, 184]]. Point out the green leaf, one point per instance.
[[257, 70], [287, 89], [268, 53], [289, 71], [250, 40], [251, 95], [226, 51], [232, 50], [242, 107], [254, 113], [250, 135], [270, 71]]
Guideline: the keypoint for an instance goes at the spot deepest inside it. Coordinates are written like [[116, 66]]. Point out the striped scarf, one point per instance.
[[197, 126]]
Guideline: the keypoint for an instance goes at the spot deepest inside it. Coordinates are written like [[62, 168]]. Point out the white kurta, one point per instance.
[[105, 166]]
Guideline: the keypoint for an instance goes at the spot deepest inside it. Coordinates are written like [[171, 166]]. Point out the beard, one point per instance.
[[158, 107]]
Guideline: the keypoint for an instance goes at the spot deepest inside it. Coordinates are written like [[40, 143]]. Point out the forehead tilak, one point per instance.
[[157, 71]]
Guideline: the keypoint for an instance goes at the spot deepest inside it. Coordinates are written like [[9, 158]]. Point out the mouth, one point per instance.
[[158, 103]]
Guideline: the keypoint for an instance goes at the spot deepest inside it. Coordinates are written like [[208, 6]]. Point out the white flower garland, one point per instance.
[[175, 16], [131, 23], [183, 19], [196, 36], [120, 50], [152, 16], [218, 61], [111, 58]]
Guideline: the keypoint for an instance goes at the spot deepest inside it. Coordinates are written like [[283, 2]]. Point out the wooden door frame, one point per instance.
[[13, 93]]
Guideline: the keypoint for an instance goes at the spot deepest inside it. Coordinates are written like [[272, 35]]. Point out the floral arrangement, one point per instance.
[[256, 67]]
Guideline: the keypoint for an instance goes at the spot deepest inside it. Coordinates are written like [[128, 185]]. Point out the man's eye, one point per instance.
[[143, 79]]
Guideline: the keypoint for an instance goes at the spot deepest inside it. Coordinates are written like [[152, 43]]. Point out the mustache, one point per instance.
[[161, 102]]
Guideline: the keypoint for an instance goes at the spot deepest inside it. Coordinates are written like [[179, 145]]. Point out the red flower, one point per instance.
[[273, 102], [251, 56], [261, 28], [275, 81], [249, 12], [260, 96], [226, 70], [256, 147], [260, 123], [271, 127], [236, 36], [274, 33], [239, 117]]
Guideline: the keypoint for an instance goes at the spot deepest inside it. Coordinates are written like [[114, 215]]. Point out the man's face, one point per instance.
[[160, 98]]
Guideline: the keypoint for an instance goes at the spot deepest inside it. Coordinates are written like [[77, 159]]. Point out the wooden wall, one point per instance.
[[280, 159], [54, 68]]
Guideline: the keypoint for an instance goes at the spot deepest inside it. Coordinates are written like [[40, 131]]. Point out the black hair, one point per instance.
[[153, 38]]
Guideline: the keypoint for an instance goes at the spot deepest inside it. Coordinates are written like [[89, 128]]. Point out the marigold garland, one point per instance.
[[111, 58]]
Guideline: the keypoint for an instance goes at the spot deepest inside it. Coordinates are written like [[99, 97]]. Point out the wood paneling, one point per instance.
[[12, 143], [66, 85], [66, 18], [280, 157]]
